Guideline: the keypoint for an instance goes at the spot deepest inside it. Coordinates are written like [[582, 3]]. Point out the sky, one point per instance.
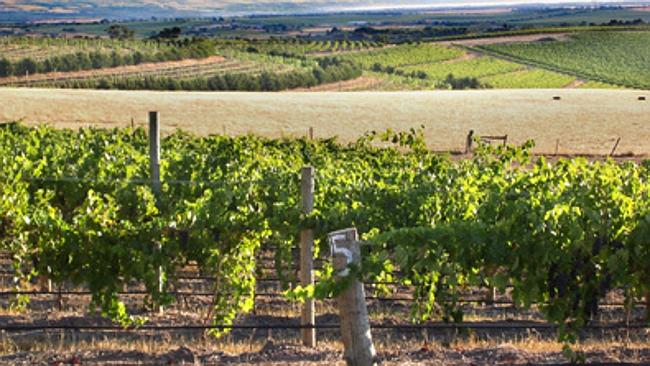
[[253, 6]]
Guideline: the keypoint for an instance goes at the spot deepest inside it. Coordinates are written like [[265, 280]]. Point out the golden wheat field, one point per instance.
[[583, 121]]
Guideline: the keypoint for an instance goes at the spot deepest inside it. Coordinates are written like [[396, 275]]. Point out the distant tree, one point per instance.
[[83, 61], [117, 31], [25, 66], [99, 60], [116, 59], [169, 33], [6, 68], [462, 83]]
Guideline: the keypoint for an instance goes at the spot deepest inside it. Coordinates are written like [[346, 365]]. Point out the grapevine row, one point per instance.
[[74, 208]]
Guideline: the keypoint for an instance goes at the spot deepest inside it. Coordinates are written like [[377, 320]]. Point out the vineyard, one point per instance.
[[40, 49], [231, 67], [404, 55], [524, 79], [190, 64], [557, 240], [123, 53], [428, 66], [301, 48], [609, 57], [183, 70]]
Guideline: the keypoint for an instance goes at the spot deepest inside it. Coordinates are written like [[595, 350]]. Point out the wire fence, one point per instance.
[[277, 295], [384, 326]]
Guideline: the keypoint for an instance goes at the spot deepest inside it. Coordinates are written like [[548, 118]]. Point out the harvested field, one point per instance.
[[584, 121]]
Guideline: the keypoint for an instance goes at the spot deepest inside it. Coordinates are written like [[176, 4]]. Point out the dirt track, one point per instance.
[[584, 121]]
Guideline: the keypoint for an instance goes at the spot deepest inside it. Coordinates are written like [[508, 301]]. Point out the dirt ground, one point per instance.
[[582, 122], [278, 345], [272, 353]]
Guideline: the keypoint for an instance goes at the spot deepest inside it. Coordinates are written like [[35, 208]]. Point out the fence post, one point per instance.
[[469, 141], [353, 313], [308, 316], [154, 169], [618, 141]]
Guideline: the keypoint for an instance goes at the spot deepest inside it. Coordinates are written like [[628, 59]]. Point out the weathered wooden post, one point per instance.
[[154, 171], [618, 141], [469, 141], [355, 326], [308, 314]]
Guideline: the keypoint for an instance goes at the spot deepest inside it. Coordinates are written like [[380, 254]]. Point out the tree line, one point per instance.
[[450, 82], [97, 60], [328, 70]]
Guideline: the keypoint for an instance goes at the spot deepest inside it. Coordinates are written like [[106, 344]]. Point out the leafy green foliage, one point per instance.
[[32, 56], [609, 57], [76, 206], [404, 55], [536, 78]]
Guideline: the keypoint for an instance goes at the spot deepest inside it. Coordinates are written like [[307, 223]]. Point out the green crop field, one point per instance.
[[611, 57], [591, 59], [404, 55], [477, 67], [39, 49], [302, 47], [536, 78]]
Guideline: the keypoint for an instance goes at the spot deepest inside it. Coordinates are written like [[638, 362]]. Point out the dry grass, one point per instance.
[[585, 121]]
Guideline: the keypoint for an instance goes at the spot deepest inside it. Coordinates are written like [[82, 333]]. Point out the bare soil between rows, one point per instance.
[[273, 353]]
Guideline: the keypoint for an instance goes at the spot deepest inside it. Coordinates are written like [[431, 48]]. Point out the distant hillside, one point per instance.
[[25, 10]]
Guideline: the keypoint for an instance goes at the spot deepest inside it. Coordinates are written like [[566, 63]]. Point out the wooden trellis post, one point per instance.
[[154, 171], [308, 314], [469, 141], [353, 312]]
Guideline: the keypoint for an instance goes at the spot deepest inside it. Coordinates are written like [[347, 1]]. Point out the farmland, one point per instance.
[[247, 68], [192, 191], [78, 206], [518, 61], [26, 56], [405, 55], [585, 121], [39, 49], [523, 79], [612, 57]]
